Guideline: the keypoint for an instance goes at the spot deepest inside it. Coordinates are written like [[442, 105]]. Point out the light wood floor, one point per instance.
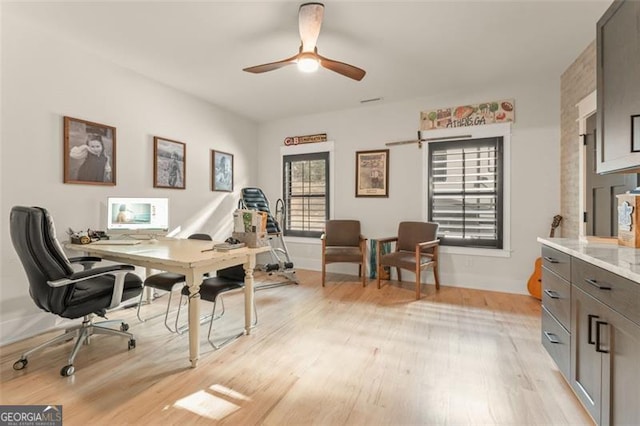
[[337, 355]]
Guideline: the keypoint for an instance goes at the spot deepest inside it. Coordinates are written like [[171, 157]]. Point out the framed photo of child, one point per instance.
[[222, 171], [89, 152], [169, 163]]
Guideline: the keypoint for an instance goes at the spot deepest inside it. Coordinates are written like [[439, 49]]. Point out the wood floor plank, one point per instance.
[[341, 354]]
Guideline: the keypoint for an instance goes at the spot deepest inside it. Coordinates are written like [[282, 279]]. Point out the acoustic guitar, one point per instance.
[[535, 281]]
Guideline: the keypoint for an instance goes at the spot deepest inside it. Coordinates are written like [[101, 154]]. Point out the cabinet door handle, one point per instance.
[[597, 285], [590, 329], [552, 294], [551, 259], [598, 348], [552, 337]]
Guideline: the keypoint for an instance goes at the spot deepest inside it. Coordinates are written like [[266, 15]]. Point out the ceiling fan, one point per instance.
[[309, 22]]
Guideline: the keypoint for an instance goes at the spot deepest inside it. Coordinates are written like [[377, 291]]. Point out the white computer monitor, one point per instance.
[[137, 216]]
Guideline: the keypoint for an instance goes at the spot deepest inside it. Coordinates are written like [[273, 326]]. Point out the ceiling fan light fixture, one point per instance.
[[310, 17], [308, 63]]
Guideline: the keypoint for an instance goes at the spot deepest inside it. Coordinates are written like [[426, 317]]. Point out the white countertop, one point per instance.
[[624, 261]]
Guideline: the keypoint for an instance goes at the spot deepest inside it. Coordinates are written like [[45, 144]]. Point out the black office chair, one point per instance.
[[211, 289], [166, 281], [57, 288]]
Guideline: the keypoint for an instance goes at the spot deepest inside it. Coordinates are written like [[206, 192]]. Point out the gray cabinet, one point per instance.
[[586, 370], [605, 344], [618, 84], [620, 371], [556, 307], [591, 328]]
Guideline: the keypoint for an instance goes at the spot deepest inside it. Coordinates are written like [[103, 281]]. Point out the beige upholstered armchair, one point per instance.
[[416, 249], [342, 242]]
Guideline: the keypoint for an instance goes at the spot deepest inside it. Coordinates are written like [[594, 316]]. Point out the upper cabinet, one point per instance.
[[618, 94]]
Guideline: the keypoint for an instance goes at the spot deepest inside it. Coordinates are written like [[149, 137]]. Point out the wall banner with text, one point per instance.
[[469, 115], [295, 140]]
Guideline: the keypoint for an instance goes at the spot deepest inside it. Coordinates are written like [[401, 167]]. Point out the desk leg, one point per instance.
[[248, 293], [194, 319]]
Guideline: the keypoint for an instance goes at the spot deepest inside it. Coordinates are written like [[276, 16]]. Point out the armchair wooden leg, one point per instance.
[[324, 267], [378, 264], [436, 277], [418, 279], [364, 273], [399, 272]]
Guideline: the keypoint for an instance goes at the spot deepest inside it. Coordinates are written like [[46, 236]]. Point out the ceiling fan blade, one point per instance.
[[309, 22], [271, 66], [342, 68]]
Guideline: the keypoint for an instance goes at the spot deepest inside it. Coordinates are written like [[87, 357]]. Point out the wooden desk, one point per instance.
[[184, 256]]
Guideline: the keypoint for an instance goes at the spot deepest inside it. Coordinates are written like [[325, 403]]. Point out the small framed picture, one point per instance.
[[372, 173], [89, 152], [169, 163], [635, 133], [222, 171]]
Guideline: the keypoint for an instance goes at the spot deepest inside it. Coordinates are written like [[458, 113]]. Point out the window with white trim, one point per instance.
[[305, 193], [465, 191]]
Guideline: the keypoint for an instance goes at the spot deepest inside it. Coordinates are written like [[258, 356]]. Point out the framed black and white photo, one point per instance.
[[635, 133], [372, 173], [169, 163], [89, 152], [222, 171]]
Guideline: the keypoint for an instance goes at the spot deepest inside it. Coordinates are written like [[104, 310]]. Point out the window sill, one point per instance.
[[475, 251]]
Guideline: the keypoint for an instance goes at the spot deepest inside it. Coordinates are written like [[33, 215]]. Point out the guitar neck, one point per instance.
[[554, 225]]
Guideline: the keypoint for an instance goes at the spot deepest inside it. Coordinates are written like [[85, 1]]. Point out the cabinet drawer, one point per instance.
[[557, 262], [556, 341], [556, 297], [620, 294]]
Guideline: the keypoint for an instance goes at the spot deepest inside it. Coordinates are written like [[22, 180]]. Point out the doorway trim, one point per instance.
[[586, 108]]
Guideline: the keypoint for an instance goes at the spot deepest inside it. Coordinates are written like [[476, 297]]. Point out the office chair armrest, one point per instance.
[[87, 262], [118, 271], [90, 273], [81, 259]]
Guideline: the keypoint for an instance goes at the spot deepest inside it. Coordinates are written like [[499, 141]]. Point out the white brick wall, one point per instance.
[[578, 81]]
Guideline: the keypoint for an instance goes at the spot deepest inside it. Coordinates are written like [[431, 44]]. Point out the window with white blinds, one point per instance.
[[306, 193], [466, 191]]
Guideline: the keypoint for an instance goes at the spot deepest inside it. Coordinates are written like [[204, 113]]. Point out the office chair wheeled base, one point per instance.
[[83, 331]]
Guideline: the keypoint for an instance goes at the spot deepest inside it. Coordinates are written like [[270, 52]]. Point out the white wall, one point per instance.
[[535, 166], [44, 79]]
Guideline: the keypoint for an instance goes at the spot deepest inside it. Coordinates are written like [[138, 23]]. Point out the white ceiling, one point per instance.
[[409, 49]]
